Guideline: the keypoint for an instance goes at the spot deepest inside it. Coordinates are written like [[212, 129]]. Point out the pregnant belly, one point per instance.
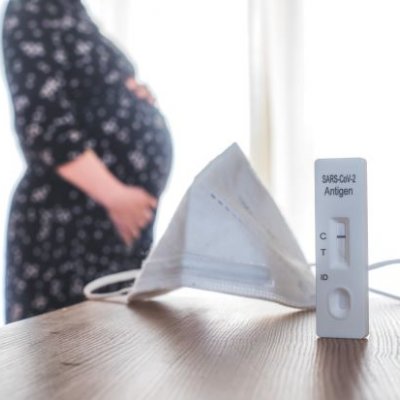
[[132, 138], [150, 151]]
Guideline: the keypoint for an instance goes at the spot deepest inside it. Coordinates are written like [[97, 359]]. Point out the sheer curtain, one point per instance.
[[333, 89], [352, 100], [326, 77], [279, 142], [194, 56]]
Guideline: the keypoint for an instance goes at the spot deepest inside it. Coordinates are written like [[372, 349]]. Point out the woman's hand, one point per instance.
[[131, 209], [141, 91]]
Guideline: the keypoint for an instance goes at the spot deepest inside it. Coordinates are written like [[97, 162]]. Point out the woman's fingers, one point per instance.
[[131, 84], [125, 234], [131, 231], [144, 222], [132, 212], [135, 232], [153, 202], [141, 91], [148, 215]]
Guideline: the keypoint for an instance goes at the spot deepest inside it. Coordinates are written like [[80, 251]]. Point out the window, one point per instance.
[[352, 109]]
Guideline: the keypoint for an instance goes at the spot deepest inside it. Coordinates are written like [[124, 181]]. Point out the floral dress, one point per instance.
[[69, 93]]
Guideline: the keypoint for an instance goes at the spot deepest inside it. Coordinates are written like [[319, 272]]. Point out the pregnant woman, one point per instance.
[[98, 155]]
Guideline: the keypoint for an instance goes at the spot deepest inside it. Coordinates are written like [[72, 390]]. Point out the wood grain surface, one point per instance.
[[196, 345]]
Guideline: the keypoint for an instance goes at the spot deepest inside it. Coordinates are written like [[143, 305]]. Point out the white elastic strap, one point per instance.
[[380, 265], [384, 264], [392, 296], [109, 280]]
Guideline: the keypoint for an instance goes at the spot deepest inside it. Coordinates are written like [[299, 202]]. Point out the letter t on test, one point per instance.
[[341, 248]]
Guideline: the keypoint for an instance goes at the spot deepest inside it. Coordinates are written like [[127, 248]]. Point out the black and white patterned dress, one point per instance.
[[68, 88]]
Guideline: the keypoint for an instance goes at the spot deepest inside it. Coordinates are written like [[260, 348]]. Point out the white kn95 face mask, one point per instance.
[[227, 235]]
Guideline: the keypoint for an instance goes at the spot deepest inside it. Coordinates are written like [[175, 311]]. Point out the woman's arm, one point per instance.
[[48, 126], [129, 207]]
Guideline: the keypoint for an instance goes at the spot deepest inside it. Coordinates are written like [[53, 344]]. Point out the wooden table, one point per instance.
[[196, 345]]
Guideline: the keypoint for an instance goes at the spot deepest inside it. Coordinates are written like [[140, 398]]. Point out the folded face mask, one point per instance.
[[227, 235]]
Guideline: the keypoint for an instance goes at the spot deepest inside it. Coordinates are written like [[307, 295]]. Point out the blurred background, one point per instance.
[[289, 81]]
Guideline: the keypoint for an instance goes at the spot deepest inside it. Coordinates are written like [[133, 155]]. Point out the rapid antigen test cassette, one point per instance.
[[341, 248]]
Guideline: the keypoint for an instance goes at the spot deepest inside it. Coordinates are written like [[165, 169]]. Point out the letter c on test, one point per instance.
[[323, 236]]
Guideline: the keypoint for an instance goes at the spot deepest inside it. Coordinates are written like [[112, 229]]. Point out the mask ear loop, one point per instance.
[[377, 265], [109, 280], [380, 265]]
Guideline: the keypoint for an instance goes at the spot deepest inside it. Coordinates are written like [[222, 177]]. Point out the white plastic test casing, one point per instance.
[[341, 248]]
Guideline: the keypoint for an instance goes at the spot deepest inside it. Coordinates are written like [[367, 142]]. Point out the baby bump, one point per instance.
[[150, 153], [133, 140]]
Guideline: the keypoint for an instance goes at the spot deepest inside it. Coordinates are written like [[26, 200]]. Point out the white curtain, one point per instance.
[[261, 49], [352, 98], [279, 143], [326, 83]]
